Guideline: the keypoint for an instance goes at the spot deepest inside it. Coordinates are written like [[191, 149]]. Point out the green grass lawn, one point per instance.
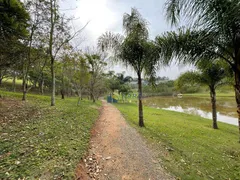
[[218, 94], [10, 80], [189, 147], [39, 141]]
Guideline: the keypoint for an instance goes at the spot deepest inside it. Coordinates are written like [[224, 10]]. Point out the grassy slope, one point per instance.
[[49, 142], [189, 147]]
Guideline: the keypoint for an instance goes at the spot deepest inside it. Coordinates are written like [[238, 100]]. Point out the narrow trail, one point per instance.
[[118, 152]]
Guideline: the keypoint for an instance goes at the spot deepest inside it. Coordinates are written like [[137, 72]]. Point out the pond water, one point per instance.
[[201, 106]]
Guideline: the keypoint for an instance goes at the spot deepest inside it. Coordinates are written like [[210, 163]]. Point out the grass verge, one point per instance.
[[39, 141], [218, 94], [187, 144]]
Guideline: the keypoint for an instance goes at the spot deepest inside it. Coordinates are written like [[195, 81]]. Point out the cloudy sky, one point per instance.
[[106, 15]]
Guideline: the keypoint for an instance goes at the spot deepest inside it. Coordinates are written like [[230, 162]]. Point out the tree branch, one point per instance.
[[69, 39]]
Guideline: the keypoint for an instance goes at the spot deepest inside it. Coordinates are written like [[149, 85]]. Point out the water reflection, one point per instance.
[[200, 106]]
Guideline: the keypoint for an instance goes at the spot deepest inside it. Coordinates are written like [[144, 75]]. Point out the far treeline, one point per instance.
[[36, 47]]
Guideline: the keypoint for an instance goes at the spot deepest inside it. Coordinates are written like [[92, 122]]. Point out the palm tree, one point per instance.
[[124, 79], [210, 74], [134, 49], [214, 33]]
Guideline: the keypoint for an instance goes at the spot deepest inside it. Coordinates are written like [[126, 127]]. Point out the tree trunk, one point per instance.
[[79, 100], [214, 110], [236, 69], [81, 97], [62, 93], [53, 17], [92, 92], [24, 86], [1, 77], [42, 86], [14, 82], [140, 107], [237, 95], [53, 83], [93, 98], [24, 96]]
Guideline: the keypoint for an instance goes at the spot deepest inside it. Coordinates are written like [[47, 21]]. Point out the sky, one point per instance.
[[106, 15]]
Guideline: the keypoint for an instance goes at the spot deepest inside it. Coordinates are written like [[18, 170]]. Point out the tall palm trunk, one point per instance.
[[140, 107], [214, 109]]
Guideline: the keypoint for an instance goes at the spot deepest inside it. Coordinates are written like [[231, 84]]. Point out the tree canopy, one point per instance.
[[13, 30]]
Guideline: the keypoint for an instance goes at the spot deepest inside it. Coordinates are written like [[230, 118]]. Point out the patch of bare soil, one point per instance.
[[15, 111], [8, 107], [118, 152]]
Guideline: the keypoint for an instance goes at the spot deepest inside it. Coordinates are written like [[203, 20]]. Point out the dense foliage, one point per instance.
[[13, 30]]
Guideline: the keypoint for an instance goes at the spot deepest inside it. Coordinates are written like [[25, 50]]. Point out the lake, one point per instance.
[[201, 106]]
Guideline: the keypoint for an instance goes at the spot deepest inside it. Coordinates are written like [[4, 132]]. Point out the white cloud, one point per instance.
[[99, 16]]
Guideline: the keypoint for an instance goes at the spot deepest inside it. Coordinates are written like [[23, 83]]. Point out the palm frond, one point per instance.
[[190, 46], [173, 11], [109, 40], [134, 22], [214, 15]]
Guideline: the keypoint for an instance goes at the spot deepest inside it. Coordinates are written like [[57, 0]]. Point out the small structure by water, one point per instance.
[[179, 95], [111, 99]]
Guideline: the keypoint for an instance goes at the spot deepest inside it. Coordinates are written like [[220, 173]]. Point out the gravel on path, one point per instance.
[[118, 152]]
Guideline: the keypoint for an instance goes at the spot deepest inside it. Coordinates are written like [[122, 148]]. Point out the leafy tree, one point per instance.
[[65, 73], [59, 35], [13, 28], [134, 50], [124, 90], [119, 82], [96, 66], [3, 74], [81, 76], [113, 84], [54, 25], [35, 43], [162, 87], [210, 74], [214, 34]]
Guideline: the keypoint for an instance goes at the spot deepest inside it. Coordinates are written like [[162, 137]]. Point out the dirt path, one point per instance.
[[118, 152]]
